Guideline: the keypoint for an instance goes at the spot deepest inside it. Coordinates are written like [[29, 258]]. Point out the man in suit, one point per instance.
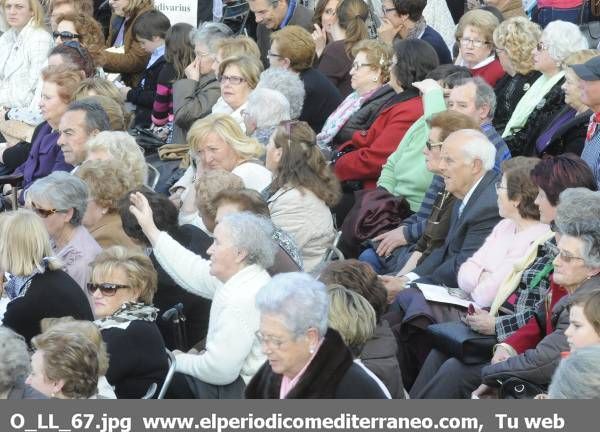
[[273, 15]]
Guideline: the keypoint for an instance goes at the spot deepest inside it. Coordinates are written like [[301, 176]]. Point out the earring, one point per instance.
[[374, 79], [312, 350]]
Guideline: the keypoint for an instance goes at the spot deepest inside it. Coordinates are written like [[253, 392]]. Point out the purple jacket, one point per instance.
[[44, 157]]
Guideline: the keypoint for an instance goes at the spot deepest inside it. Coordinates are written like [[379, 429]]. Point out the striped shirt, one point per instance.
[[502, 151]]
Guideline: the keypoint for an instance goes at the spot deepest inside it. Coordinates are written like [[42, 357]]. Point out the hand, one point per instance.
[[124, 91], [320, 38], [482, 322], [393, 285], [500, 355], [484, 391], [141, 210], [390, 241], [193, 70], [175, 197], [386, 31], [427, 85]]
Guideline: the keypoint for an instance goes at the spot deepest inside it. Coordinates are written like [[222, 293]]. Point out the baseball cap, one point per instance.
[[589, 71]]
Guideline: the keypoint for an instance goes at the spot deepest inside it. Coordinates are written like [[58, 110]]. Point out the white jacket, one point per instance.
[[231, 345], [307, 219], [22, 57]]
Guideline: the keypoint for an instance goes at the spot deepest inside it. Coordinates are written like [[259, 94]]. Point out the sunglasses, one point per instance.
[[44, 213], [107, 289], [64, 35]]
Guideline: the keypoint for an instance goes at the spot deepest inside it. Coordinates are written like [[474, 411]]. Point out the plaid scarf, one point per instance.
[[128, 312], [17, 285]]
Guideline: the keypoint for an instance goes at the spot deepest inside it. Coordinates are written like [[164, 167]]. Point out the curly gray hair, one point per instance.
[[577, 376], [299, 299], [577, 216], [287, 83], [253, 234], [563, 39], [267, 107], [14, 359], [210, 32]]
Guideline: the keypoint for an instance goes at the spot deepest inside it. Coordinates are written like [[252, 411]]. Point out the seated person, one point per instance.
[[265, 110], [14, 367]]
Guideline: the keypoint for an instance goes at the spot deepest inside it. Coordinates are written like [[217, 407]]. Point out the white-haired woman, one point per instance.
[[545, 98], [14, 367], [266, 109], [61, 199], [288, 84], [306, 359], [242, 250]]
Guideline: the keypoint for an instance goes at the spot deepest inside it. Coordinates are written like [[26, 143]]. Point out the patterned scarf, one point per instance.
[[417, 30], [128, 312], [17, 285], [594, 120]]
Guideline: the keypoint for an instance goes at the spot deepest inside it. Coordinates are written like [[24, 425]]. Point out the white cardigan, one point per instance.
[[22, 57], [232, 349]]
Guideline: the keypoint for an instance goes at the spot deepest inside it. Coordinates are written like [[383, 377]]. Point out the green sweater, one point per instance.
[[404, 173]]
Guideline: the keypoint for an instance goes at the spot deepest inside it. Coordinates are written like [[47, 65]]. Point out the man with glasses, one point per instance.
[[273, 15]]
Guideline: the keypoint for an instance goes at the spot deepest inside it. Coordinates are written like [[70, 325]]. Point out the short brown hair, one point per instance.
[[107, 181], [72, 358], [138, 268], [90, 34], [589, 299], [246, 199], [297, 45], [359, 277], [450, 121], [237, 46], [520, 186], [485, 22], [65, 78], [250, 68]]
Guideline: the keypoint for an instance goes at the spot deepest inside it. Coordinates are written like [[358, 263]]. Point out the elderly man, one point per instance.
[[266, 109], [274, 15], [82, 120], [589, 75]]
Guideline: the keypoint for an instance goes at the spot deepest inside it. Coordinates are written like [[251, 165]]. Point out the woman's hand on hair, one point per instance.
[[320, 38], [140, 208], [193, 70]]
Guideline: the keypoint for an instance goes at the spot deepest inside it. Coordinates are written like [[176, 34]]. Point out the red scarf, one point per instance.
[[594, 121]]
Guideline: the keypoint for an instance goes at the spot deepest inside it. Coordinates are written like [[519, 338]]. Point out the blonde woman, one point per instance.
[[35, 284]]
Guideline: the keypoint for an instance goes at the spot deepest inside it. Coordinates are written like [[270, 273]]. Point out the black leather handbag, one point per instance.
[[146, 139], [458, 340], [517, 388]]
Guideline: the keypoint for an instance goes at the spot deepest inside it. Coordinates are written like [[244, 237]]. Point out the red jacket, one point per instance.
[[375, 145], [491, 72]]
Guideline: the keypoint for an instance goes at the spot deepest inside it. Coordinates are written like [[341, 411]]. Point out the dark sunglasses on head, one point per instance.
[[64, 35], [107, 289], [77, 46]]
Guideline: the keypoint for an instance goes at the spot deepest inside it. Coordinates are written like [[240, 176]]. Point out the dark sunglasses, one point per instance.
[[107, 289], [44, 213], [64, 35]]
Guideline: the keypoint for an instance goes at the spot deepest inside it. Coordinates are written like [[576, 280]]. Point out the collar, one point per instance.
[[481, 64], [468, 195], [156, 55], [289, 14]]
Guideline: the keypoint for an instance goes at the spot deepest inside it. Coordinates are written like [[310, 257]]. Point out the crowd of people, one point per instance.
[[342, 199]]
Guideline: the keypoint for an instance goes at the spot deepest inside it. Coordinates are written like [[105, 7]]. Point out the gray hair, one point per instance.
[[287, 83], [95, 116], [253, 234], [563, 39], [267, 107], [475, 145], [577, 216], [577, 376], [299, 299], [209, 33], [62, 191], [14, 359], [484, 93]]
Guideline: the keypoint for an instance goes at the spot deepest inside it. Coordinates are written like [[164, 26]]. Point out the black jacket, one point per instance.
[[53, 294], [142, 96], [320, 100], [570, 137], [509, 91], [332, 374]]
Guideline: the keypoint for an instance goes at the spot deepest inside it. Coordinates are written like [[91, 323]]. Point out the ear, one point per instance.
[[240, 256], [477, 165], [313, 338], [277, 153], [286, 63], [57, 386], [69, 215], [483, 112]]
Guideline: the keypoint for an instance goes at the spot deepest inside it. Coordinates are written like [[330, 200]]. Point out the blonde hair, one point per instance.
[[518, 36], [134, 6], [24, 243], [122, 147], [113, 110], [237, 46], [250, 68], [580, 57], [352, 316], [229, 131], [485, 22], [108, 181], [100, 86], [138, 268], [297, 45], [39, 16], [379, 56]]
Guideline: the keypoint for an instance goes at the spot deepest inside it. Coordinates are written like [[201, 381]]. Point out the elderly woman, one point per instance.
[[64, 366], [14, 367], [303, 190], [119, 146], [358, 162], [474, 35], [122, 287], [306, 359], [241, 252], [403, 19], [566, 132], [125, 55], [61, 200], [238, 76], [107, 182], [266, 109], [195, 95], [514, 39], [545, 98], [35, 285], [293, 48], [288, 84], [379, 351], [370, 72], [23, 52], [84, 29]]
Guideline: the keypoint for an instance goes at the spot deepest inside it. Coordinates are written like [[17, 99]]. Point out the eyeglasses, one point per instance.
[[107, 289], [472, 42], [356, 65], [65, 35], [541, 46], [499, 50], [566, 257], [44, 213], [498, 185], [272, 54], [330, 12], [431, 144], [235, 80], [76, 45], [388, 10], [269, 341]]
